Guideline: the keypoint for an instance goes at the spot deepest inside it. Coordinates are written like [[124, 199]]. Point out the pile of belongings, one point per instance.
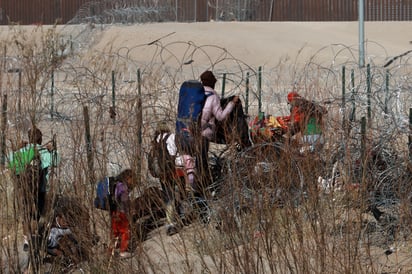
[[268, 128]]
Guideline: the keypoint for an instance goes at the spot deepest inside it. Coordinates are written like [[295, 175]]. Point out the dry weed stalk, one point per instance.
[[322, 234]]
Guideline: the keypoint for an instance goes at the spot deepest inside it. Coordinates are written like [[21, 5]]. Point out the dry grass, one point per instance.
[[326, 233]]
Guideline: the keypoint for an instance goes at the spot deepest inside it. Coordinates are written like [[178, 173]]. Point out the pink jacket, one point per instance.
[[211, 111]]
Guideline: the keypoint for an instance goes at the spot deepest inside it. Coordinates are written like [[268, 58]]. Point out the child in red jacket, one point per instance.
[[120, 215]]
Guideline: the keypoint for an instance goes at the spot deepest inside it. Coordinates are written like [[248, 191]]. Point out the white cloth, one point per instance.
[[56, 233], [171, 147], [170, 142]]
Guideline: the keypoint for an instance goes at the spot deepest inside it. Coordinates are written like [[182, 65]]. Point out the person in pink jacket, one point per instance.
[[211, 112]]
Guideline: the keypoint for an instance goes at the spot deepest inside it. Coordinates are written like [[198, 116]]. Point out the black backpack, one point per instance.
[[159, 161]]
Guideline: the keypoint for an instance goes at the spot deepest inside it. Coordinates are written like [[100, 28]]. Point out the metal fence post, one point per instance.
[[89, 145], [247, 94], [113, 108], [260, 90], [19, 91], [353, 112], [223, 85], [195, 15], [410, 134], [369, 91], [343, 100], [363, 144], [3, 130], [361, 33], [176, 11], [386, 92], [217, 10], [139, 128], [52, 96]]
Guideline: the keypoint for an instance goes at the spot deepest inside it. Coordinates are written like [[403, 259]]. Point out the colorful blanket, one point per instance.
[[268, 127]]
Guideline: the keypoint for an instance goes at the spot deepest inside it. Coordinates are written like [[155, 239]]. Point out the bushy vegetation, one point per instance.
[[73, 93]]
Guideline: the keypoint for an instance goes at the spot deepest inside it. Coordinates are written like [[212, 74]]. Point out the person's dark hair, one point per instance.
[[161, 128], [35, 136], [127, 173], [208, 79]]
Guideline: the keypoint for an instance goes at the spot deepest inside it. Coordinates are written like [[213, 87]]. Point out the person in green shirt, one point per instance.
[[31, 166]]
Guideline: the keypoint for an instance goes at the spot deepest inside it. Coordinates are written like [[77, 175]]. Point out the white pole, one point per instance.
[[361, 33]]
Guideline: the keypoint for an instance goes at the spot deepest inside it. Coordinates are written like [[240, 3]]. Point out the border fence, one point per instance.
[[136, 11]]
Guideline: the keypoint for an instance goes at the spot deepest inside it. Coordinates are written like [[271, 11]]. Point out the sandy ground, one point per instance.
[[265, 43], [254, 43]]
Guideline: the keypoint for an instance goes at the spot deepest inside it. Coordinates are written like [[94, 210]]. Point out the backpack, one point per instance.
[[159, 160], [104, 194], [192, 98]]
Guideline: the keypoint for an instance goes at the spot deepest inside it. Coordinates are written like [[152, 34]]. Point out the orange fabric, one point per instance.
[[283, 121], [296, 114]]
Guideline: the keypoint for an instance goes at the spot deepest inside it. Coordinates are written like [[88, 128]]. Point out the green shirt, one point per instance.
[[19, 159], [313, 127]]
